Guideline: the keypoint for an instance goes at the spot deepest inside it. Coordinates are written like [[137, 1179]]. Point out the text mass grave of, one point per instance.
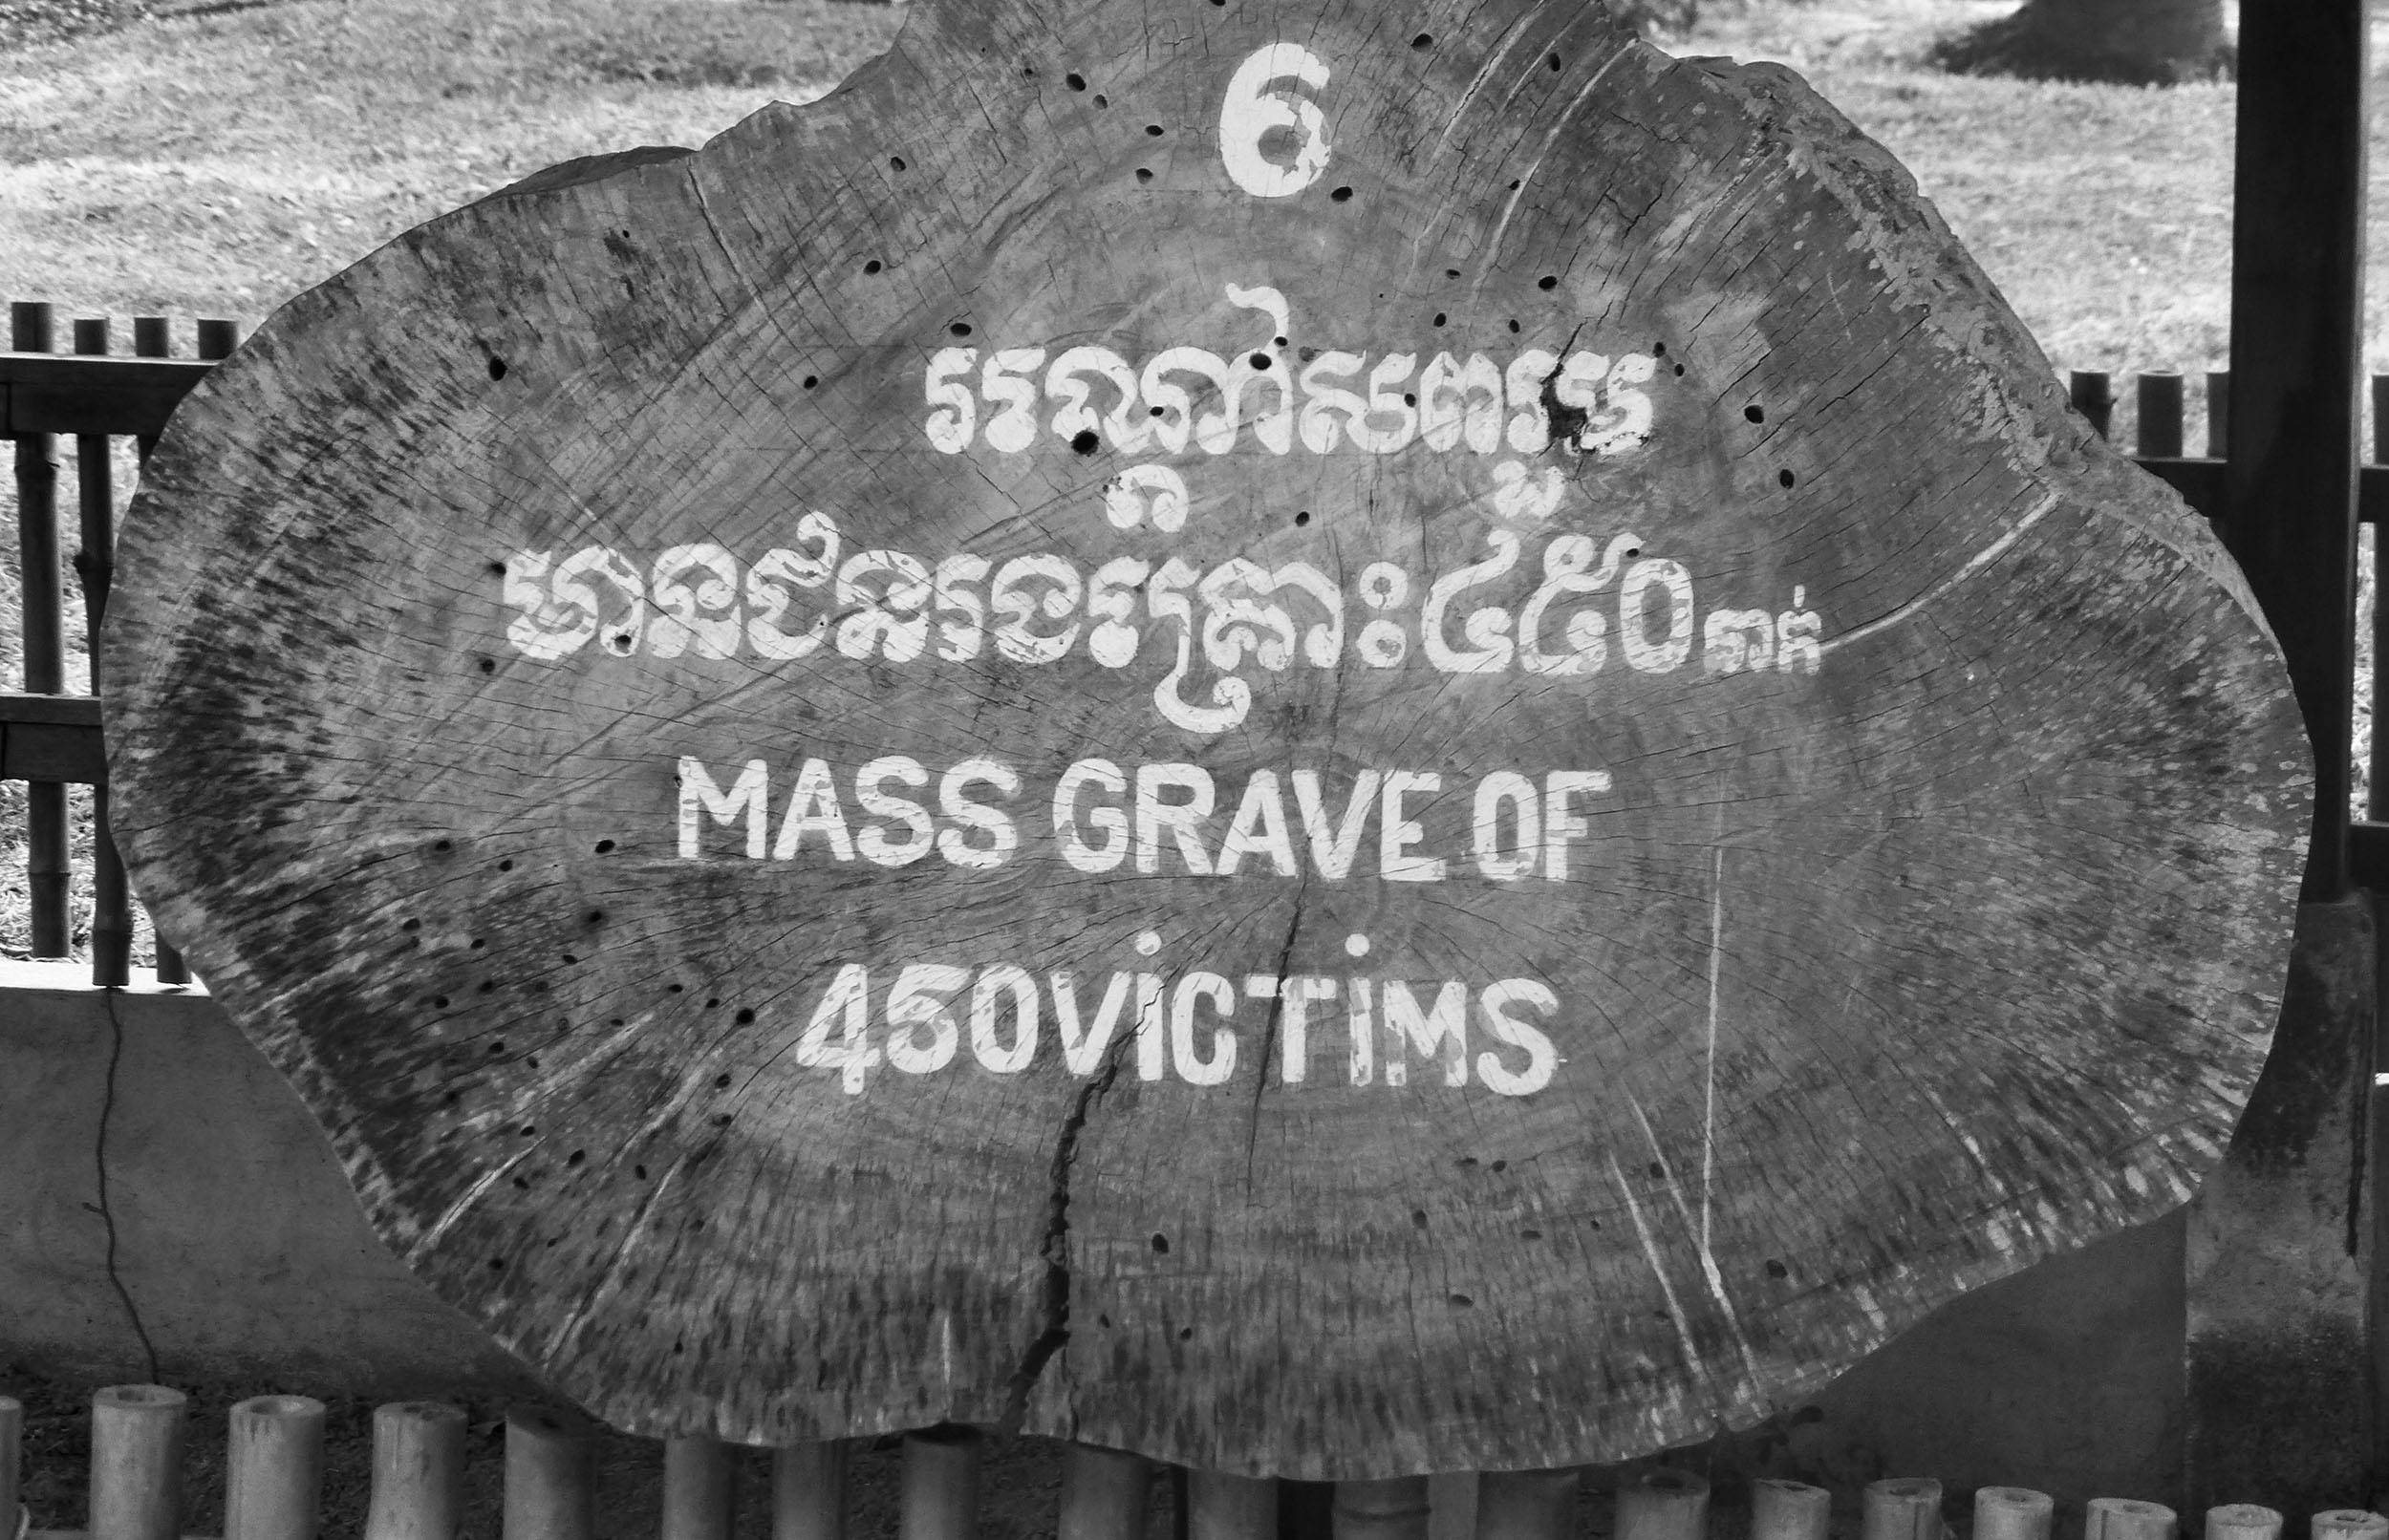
[[1322, 738]]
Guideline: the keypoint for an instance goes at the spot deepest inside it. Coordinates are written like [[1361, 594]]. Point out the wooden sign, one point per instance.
[[1324, 738]]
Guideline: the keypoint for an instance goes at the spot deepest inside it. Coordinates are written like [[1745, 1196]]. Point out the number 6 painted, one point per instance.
[[1252, 109]]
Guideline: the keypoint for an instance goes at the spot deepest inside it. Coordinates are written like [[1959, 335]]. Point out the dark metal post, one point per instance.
[[2279, 1245]]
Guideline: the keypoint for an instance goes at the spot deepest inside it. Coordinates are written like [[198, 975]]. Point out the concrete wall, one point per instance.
[[243, 1255], [240, 1252]]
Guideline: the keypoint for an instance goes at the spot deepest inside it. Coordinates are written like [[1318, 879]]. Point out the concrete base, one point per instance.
[[239, 1251], [244, 1257]]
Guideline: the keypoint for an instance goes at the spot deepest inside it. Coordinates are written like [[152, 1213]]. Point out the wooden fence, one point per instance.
[[50, 739], [274, 1462]]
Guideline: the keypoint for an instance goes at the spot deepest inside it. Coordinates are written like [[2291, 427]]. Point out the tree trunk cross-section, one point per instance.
[[1324, 737]]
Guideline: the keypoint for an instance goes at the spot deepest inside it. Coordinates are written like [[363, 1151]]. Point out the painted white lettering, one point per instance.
[[1526, 804], [695, 589], [1675, 584], [1361, 1022], [770, 584], [1082, 1048], [1193, 1068], [1333, 845], [749, 794], [987, 999], [1562, 824], [953, 412], [845, 1006], [1110, 822], [920, 1002], [1152, 1028], [1441, 1031], [1258, 828], [872, 840], [1183, 820], [1495, 1005], [1397, 832], [813, 809], [1001, 837], [1255, 105]]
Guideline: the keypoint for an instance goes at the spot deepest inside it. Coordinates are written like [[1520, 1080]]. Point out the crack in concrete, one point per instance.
[[1054, 1305], [100, 1159]]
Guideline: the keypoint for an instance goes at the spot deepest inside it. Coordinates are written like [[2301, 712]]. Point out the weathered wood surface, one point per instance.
[[590, 686]]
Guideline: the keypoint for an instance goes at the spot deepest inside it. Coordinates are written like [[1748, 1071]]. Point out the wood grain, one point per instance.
[[1916, 798]]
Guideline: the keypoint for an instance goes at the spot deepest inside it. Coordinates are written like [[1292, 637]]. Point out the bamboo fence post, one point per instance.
[[1102, 1494], [95, 566], [2158, 428], [12, 1516], [137, 1462], [419, 1472], [1789, 1511], [552, 1477], [1395, 1509], [1526, 1505], [940, 1499], [2012, 1513], [1664, 1505], [1230, 1508], [1904, 1508], [2218, 414], [2346, 1524], [2093, 396], [2243, 1521], [2127, 1518], [697, 1489], [274, 1469], [42, 600], [809, 1491]]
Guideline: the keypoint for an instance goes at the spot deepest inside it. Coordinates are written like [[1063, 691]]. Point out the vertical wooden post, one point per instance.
[[1904, 1507], [2279, 1385], [552, 1477], [1230, 1508], [1395, 1509], [699, 1488], [274, 1469], [2349, 1524], [2094, 398], [2376, 797], [2218, 413], [809, 1491], [1664, 1505], [940, 1499], [2122, 1518], [137, 1462], [1789, 1511], [94, 565], [42, 597], [419, 1472], [2243, 1521], [2158, 431], [1526, 1505], [12, 1457], [2012, 1513], [1102, 1494], [2297, 286]]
